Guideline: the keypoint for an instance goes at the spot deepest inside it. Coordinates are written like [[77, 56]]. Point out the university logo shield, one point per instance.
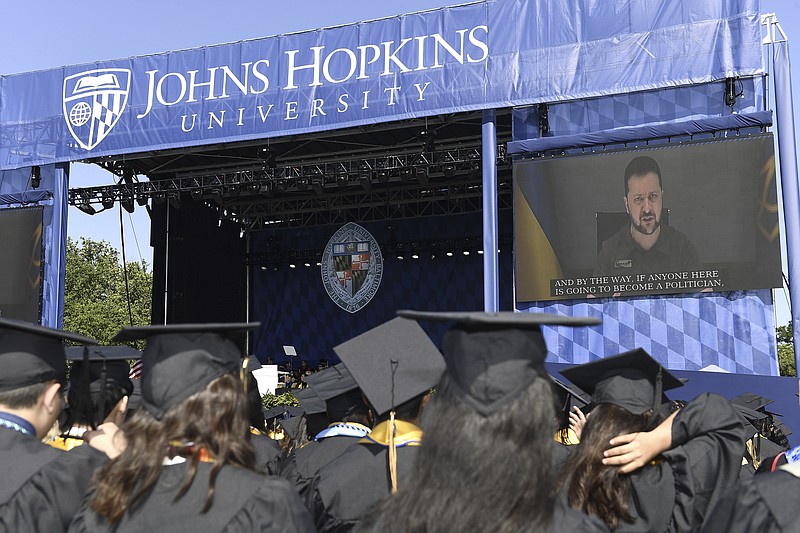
[[93, 101], [352, 267]]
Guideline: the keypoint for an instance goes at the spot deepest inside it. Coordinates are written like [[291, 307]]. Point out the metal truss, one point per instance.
[[362, 189], [273, 256]]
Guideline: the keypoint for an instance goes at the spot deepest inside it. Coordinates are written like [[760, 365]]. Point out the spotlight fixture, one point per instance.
[[544, 122], [127, 203], [466, 252], [414, 256], [127, 176], [292, 265], [730, 92], [427, 139], [196, 194], [86, 207], [382, 175], [141, 199], [307, 264], [175, 200], [107, 201], [449, 254], [36, 177]]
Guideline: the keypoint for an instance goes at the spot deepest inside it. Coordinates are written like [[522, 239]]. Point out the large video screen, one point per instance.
[[21, 263], [667, 219]]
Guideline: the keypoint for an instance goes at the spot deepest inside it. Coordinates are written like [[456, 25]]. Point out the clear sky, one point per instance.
[[43, 34]]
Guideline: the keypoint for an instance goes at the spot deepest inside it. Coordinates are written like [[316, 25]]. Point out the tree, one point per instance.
[[783, 335], [95, 298]]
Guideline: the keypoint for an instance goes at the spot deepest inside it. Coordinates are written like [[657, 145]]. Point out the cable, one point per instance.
[[125, 265]]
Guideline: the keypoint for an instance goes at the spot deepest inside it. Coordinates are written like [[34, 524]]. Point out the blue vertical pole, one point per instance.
[[491, 286], [784, 115]]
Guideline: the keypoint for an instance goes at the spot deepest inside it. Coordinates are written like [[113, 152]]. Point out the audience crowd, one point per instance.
[[401, 436]]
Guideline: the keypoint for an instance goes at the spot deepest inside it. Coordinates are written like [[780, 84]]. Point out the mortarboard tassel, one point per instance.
[[392, 429], [243, 373], [659, 387], [102, 399], [392, 453]]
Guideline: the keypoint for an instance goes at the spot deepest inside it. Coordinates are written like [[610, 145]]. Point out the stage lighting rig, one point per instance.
[[36, 176], [544, 121]]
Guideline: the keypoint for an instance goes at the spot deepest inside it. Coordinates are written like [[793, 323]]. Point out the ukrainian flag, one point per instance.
[[535, 238]]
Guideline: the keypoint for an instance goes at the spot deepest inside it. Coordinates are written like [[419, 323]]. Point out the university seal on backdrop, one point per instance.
[[352, 267], [93, 102]]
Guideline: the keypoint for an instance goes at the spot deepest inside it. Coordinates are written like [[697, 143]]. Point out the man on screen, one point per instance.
[[645, 246]]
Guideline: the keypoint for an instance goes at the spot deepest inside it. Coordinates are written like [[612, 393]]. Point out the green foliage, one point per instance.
[[95, 301], [271, 400], [783, 334]]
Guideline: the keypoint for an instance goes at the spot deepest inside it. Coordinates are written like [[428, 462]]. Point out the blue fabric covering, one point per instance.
[[637, 133], [482, 55]]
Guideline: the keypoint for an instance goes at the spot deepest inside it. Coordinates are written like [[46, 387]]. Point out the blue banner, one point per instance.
[[483, 55]]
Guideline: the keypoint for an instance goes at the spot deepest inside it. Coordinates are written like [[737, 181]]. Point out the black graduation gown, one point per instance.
[[243, 501], [767, 503], [708, 440], [303, 463], [564, 519], [345, 489], [268, 453], [41, 487]]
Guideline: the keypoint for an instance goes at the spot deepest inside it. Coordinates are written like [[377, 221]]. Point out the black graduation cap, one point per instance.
[[336, 386], [93, 362], [752, 401], [632, 380], [570, 393], [493, 357], [331, 382], [292, 426], [181, 359], [30, 353], [282, 411], [759, 446], [252, 364], [309, 401], [95, 369], [392, 363]]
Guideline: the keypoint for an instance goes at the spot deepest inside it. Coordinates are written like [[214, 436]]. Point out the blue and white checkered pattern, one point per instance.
[[734, 331]]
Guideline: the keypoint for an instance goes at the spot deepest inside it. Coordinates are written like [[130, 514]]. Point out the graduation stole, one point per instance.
[[405, 434], [343, 429], [394, 434], [183, 448]]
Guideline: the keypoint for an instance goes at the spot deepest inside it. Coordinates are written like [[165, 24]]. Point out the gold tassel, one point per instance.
[[392, 454]]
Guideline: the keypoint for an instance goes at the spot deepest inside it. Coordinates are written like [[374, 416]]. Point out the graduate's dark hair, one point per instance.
[[255, 406], [24, 396], [479, 473], [348, 407], [88, 411], [593, 487], [214, 419]]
